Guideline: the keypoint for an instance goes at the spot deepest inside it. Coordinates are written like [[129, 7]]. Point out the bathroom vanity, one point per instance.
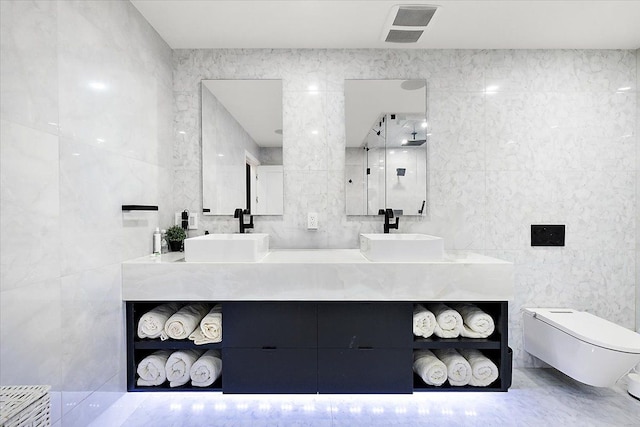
[[320, 321]]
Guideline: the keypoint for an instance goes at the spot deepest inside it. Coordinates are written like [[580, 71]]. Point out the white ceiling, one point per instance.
[[458, 24], [255, 104]]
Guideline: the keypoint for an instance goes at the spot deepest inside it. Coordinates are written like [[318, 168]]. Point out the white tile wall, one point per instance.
[[86, 127], [637, 190], [555, 143]]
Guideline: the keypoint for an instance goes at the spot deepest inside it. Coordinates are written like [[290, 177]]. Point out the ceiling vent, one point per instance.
[[406, 23]]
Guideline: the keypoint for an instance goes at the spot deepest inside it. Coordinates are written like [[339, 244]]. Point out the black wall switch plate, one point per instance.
[[547, 235]]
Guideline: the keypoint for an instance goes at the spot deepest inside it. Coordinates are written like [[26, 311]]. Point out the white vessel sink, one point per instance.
[[226, 248], [401, 247]]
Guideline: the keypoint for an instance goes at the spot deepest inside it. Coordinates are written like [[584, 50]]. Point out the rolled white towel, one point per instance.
[[483, 370], [151, 370], [151, 324], [210, 330], [179, 365], [448, 321], [186, 320], [206, 370], [458, 369], [424, 321], [476, 323], [428, 367]]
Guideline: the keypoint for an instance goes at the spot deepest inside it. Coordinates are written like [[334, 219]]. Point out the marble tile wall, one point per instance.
[[86, 101], [518, 137]]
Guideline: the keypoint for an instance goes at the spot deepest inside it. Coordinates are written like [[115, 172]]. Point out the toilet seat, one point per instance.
[[590, 329]]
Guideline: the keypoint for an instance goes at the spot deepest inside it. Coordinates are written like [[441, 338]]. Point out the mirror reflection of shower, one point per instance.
[[386, 162], [393, 165]]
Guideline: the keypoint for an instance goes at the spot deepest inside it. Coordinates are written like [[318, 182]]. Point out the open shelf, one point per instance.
[[436, 343], [156, 344]]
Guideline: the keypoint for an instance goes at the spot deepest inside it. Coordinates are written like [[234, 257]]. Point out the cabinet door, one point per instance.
[[357, 325], [365, 370], [248, 370], [261, 324]]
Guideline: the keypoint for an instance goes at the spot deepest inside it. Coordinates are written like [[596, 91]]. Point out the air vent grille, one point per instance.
[[398, 36], [413, 17], [406, 23]]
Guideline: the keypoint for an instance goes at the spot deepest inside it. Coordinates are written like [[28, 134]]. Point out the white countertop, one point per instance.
[[317, 275]]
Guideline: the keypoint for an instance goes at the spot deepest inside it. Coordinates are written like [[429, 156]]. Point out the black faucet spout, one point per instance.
[[388, 214], [239, 214]]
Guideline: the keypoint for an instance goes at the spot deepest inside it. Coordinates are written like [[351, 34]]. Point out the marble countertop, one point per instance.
[[317, 275]]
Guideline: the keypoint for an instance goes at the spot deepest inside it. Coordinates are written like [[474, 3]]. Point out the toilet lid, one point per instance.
[[590, 328]]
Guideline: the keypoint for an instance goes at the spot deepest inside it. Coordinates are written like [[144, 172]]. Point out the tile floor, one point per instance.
[[538, 397]]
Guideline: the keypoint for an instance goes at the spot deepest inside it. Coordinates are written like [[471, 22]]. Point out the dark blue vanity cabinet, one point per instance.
[[270, 347], [322, 347], [364, 347]]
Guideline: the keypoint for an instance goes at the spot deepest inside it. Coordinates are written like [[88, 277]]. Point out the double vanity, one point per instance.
[[319, 320]]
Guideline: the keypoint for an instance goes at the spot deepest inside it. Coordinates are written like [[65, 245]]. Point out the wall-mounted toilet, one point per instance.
[[588, 348]]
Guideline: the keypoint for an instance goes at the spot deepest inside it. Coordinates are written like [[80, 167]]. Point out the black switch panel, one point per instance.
[[547, 235]]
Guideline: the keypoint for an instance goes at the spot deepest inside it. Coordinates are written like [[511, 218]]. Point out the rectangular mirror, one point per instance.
[[386, 149], [242, 147]]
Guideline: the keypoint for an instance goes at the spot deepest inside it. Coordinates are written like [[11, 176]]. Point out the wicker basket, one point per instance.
[[25, 406]]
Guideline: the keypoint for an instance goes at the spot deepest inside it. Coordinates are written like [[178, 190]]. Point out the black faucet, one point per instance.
[[239, 213], [388, 214]]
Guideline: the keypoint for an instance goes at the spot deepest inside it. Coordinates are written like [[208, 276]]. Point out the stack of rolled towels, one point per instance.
[[198, 322], [180, 367], [460, 367], [466, 320]]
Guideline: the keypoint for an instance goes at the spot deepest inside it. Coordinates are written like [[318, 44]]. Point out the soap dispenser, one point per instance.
[[164, 245], [157, 237]]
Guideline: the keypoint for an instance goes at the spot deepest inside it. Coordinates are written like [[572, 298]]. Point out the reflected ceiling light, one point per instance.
[[404, 142], [99, 139], [99, 86], [413, 84], [75, 154], [424, 124], [315, 132], [52, 124], [492, 89], [313, 88], [181, 132], [220, 155], [620, 89]]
